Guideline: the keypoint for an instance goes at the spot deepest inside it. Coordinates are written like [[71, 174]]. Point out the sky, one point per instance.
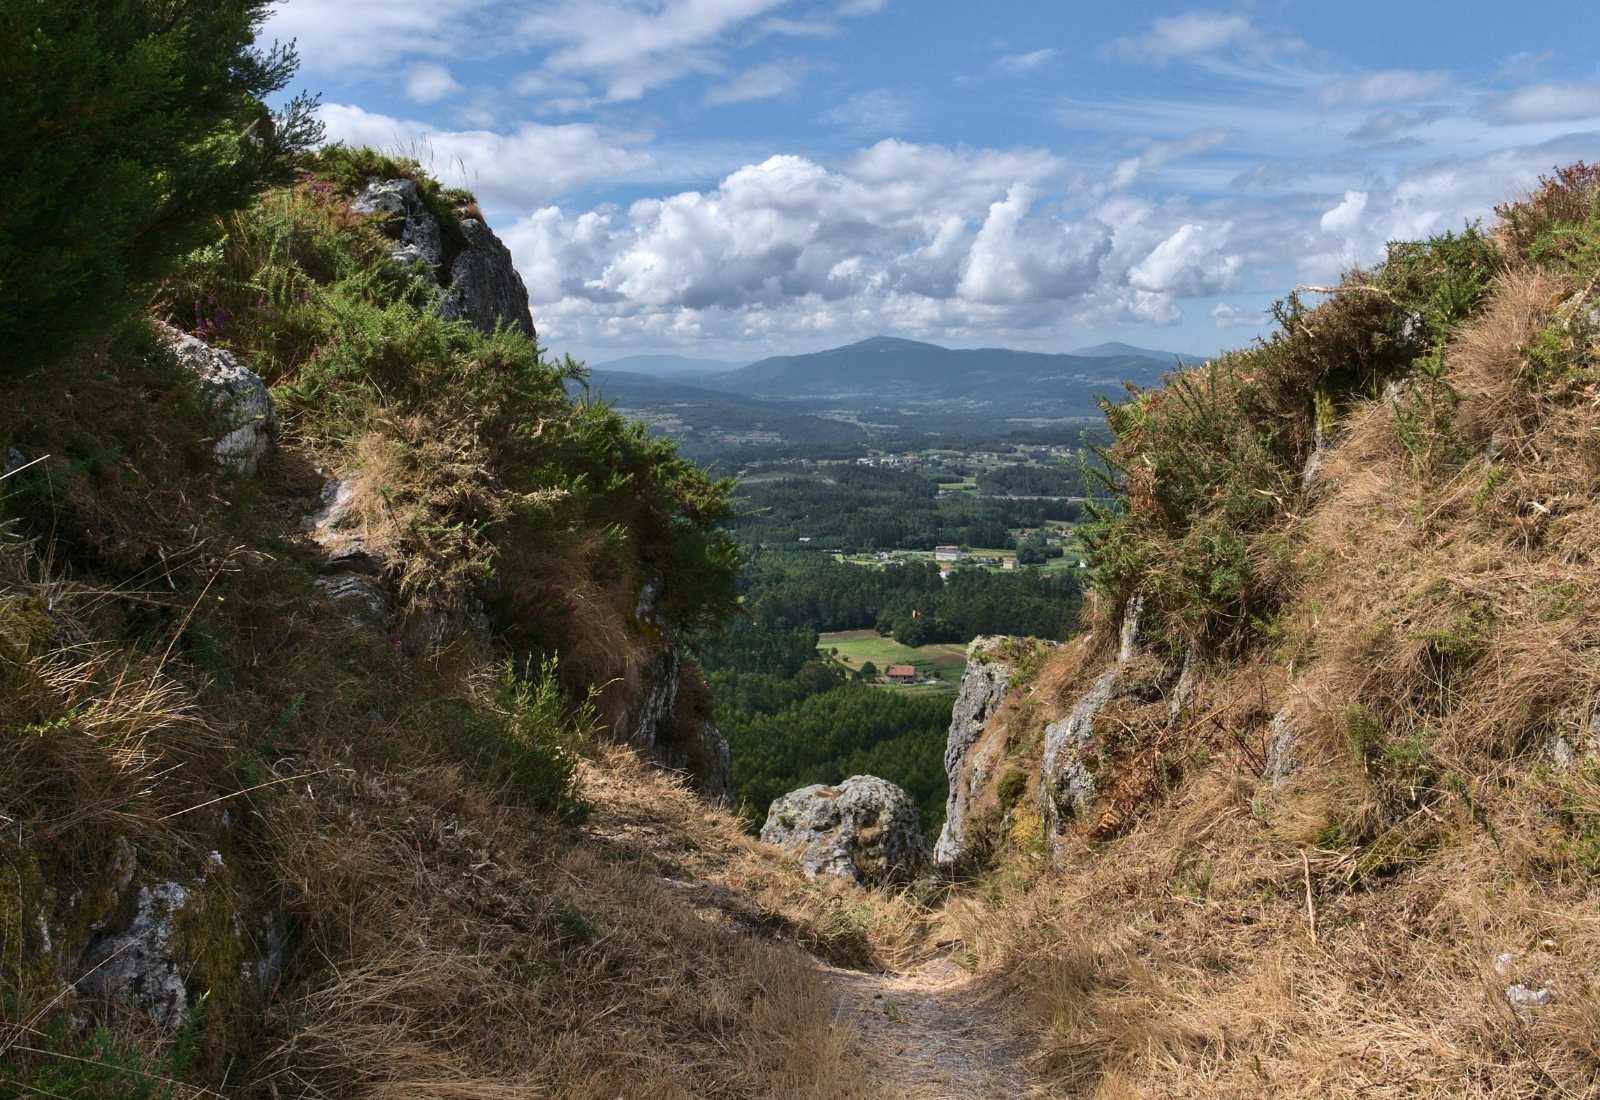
[[740, 178]]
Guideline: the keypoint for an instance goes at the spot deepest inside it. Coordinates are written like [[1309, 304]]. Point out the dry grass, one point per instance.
[[473, 953], [1442, 630]]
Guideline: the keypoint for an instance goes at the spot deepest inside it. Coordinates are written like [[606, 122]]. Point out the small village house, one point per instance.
[[902, 674]]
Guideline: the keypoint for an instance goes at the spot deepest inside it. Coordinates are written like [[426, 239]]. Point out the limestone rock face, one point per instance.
[[865, 829], [237, 393], [480, 281], [484, 285], [418, 238], [967, 763], [1077, 759]]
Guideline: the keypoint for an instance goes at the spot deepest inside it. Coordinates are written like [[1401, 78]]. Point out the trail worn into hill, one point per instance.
[[923, 1035], [915, 1027]]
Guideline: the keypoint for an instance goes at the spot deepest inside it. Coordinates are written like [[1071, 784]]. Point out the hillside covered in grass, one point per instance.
[[1311, 810], [318, 594]]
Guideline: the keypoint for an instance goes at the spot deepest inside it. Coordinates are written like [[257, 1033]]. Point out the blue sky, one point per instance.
[[740, 178]]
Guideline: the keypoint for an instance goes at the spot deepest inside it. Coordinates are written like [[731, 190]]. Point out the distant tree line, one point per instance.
[[864, 508]]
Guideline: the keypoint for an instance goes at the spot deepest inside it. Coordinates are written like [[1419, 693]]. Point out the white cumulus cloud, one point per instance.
[[1347, 215], [1548, 103]]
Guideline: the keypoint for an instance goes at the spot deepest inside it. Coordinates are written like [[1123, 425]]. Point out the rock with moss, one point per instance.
[[969, 761], [1077, 757], [865, 829], [163, 941], [406, 219], [473, 266], [235, 393]]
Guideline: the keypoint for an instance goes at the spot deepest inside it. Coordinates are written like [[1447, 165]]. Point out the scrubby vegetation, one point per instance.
[[1358, 860], [383, 839]]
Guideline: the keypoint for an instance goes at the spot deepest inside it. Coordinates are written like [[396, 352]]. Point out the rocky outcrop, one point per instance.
[[236, 394], [127, 941], [865, 829], [485, 288], [471, 265], [968, 763], [138, 965], [660, 721], [416, 232], [1079, 760]]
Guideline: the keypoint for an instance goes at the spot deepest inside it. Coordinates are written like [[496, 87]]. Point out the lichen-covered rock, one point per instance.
[[363, 599], [138, 966], [473, 267], [236, 393], [647, 724], [15, 460], [967, 763], [1076, 760], [865, 829], [418, 238], [485, 288]]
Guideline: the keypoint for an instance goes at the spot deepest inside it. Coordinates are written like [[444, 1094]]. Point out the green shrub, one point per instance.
[[529, 738], [1208, 468], [126, 127]]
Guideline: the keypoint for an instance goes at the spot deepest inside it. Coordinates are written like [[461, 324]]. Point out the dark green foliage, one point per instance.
[[788, 590], [858, 508], [848, 730], [126, 127]]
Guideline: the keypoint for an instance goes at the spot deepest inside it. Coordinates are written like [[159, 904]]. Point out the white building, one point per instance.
[[947, 553]]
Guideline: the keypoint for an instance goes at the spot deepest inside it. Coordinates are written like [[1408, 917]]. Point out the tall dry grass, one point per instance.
[[1354, 931]]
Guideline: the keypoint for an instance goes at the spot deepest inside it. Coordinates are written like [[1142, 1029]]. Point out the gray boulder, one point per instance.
[[141, 958], [138, 966], [485, 288], [967, 763], [362, 599], [234, 392], [416, 231], [865, 829]]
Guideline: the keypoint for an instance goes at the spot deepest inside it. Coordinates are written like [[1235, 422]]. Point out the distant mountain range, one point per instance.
[[1115, 350], [878, 390], [885, 370]]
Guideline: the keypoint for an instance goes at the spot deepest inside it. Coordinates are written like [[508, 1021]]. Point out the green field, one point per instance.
[[856, 647]]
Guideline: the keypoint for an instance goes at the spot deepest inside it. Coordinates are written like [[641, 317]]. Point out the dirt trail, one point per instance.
[[919, 1034], [924, 1036]]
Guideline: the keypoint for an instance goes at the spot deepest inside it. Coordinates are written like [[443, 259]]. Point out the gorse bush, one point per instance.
[[1209, 466], [126, 127], [532, 738], [478, 469]]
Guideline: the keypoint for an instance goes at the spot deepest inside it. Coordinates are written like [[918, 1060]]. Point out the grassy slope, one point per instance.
[[172, 684], [1425, 619]]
